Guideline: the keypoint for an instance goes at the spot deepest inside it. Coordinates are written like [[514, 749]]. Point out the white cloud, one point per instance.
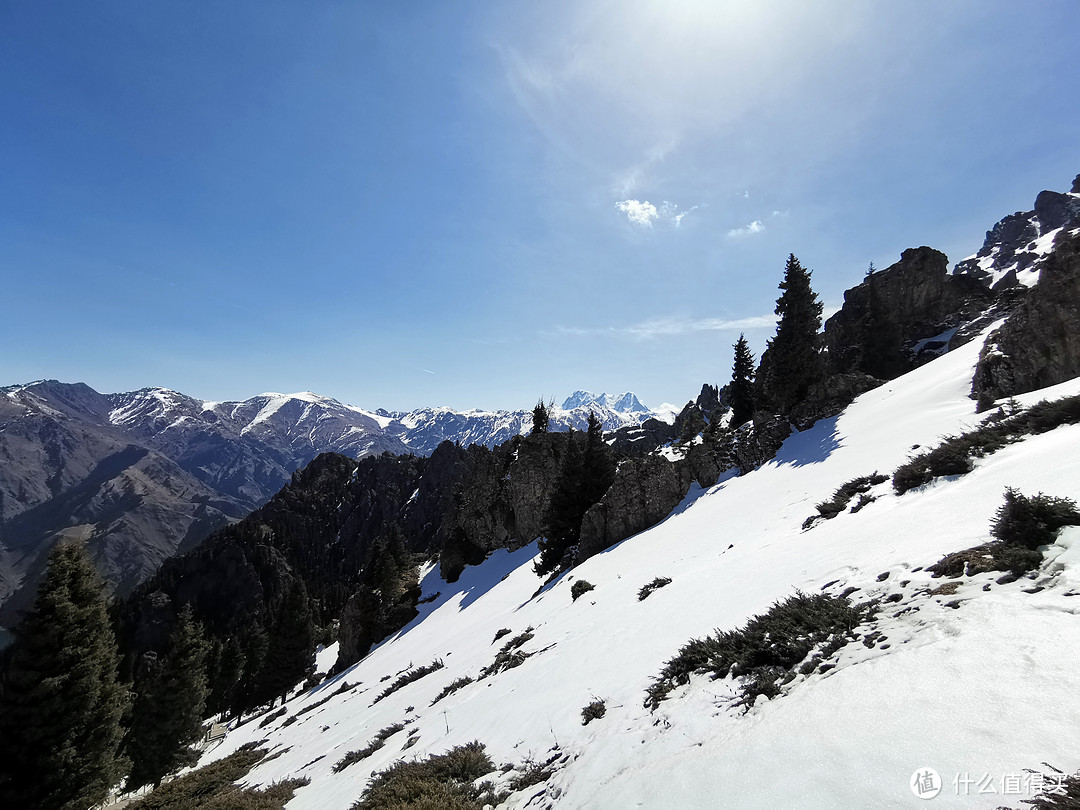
[[757, 226], [641, 213], [663, 327]]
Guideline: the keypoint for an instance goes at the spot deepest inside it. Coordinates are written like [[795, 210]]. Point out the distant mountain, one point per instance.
[[424, 429], [143, 474]]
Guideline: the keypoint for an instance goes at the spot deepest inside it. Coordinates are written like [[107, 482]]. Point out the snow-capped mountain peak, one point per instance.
[[626, 402]]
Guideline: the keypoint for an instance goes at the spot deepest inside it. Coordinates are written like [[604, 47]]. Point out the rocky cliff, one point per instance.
[[1039, 345]]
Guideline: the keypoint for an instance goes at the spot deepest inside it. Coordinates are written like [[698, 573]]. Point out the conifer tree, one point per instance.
[[792, 361], [563, 520], [226, 676], [167, 716], [290, 654], [742, 384], [61, 710], [255, 644], [598, 465], [539, 419]]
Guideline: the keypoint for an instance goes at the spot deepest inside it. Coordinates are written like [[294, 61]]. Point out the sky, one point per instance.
[[478, 204]]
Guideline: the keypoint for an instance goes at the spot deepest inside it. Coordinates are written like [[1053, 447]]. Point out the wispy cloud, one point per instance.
[[757, 226], [643, 213], [665, 327]]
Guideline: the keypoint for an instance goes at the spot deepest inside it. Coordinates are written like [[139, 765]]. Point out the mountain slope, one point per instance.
[[146, 474], [972, 682]]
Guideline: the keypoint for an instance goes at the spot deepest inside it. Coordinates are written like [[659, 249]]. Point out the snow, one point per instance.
[[984, 688]]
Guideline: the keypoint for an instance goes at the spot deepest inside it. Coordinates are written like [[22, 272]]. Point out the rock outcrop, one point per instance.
[[901, 316], [644, 492], [1039, 345]]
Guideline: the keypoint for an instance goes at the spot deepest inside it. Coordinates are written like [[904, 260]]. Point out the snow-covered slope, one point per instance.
[[978, 685]]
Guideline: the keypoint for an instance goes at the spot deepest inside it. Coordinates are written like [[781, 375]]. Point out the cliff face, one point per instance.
[[901, 316], [1039, 345]]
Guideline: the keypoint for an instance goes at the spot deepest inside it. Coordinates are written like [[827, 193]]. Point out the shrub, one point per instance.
[[272, 716], [508, 657], [440, 782], [1061, 792], [579, 588], [452, 687], [659, 582], [954, 455], [1021, 525], [1032, 522], [594, 711], [377, 742], [843, 495], [500, 633], [212, 788], [767, 648], [409, 677], [532, 773]]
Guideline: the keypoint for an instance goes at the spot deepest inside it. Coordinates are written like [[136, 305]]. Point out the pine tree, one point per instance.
[[792, 362], [226, 676], [290, 655], [563, 520], [539, 419], [62, 706], [598, 465], [255, 645], [171, 696], [741, 393]]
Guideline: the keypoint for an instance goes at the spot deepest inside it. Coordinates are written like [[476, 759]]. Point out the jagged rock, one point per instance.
[[1014, 247], [704, 464], [1039, 345], [642, 439], [1076, 185], [883, 317], [644, 492], [759, 440], [830, 396], [709, 399], [1054, 210]]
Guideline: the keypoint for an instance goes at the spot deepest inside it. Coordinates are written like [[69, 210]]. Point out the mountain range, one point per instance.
[[870, 605], [145, 474]]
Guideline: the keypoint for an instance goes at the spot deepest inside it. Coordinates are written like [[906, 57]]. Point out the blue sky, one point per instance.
[[477, 204]]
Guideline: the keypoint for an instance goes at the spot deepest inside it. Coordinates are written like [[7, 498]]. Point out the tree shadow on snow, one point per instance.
[[811, 446]]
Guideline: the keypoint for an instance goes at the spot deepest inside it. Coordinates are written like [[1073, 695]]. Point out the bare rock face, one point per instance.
[[830, 396], [759, 441], [891, 311], [1039, 345], [644, 492]]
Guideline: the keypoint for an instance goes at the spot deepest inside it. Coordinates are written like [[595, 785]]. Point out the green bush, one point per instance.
[[377, 742], [843, 495], [211, 787], [1032, 522], [409, 677], [452, 687], [1021, 525], [767, 649], [579, 588], [440, 782], [508, 657], [954, 455], [659, 582]]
